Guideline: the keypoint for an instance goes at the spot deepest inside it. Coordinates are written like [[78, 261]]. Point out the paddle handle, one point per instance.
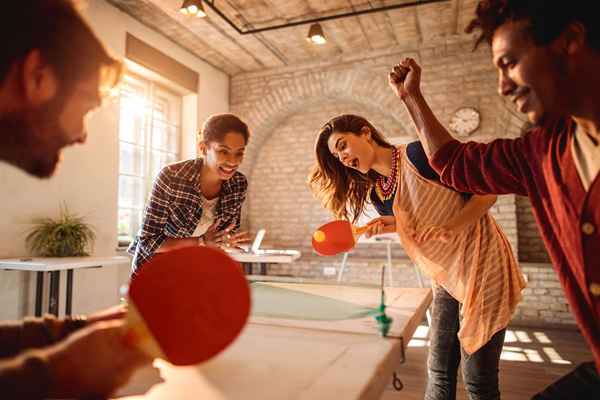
[[359, 230], [138, 335]]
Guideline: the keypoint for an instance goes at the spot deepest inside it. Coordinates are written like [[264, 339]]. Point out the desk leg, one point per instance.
[[389, 264], [69, 303], [263, 268], [247, 268], [39, 288], [54, 292], [342, 267]]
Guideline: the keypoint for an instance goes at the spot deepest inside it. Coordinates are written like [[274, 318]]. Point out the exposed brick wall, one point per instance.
[[453, 76], [543, 299], [279, 199], [504, 212], [358, 270], [531, 246], [286, 106]]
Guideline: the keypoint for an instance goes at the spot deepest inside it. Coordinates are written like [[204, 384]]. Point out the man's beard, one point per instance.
[[32, 139]]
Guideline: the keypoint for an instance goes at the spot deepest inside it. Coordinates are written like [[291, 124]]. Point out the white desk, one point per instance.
[[54, 265], [263, 258], [283, 359]]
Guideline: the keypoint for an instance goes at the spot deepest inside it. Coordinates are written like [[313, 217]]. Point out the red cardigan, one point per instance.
[[540, 165]]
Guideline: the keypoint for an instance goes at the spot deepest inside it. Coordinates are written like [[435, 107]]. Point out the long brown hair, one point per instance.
[[342, 190]]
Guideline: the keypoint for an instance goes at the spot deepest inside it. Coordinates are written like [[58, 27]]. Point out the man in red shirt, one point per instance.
[[548, 58]]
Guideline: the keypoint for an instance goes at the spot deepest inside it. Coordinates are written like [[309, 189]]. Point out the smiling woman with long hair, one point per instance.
[[450, 235], [198, 201]]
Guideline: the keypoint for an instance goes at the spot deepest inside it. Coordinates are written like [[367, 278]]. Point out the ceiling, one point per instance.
[[216, 42]]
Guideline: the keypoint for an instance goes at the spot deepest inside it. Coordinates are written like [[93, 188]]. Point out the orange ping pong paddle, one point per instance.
[[187, 305], [336, 237]]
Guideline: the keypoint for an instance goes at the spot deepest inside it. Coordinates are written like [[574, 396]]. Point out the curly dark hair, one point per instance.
[[217, 126], [546, 18]]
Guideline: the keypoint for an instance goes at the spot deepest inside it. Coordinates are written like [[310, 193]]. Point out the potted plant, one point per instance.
[[67, 236]]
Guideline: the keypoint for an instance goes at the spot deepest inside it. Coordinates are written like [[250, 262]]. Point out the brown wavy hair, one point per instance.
[[342, 190]]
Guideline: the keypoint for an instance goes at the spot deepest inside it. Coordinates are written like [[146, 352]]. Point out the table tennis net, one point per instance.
[[276, 302]]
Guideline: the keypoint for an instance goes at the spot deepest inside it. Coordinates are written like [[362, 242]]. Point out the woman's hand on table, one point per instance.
[[224, 238]]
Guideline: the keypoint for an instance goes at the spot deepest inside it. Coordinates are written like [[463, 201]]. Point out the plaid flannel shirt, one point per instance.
[[174, 210]]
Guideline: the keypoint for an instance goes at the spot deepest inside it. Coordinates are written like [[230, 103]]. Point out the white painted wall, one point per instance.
[[87, 179]]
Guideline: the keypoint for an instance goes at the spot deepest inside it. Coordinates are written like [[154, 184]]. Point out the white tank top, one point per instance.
[[208, 215]]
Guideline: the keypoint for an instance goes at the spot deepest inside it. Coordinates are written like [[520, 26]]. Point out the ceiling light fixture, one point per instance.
[[315, 34], [193, 8], [244, 30]]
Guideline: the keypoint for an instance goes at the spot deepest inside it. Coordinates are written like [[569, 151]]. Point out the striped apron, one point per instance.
[[476, 267]]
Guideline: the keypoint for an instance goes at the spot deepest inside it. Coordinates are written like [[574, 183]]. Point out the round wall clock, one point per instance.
[[465, 121]]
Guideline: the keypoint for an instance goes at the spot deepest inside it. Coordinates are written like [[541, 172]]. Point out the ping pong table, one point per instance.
[[337, 353]]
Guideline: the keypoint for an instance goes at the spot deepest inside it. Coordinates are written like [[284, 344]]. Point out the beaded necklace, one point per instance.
[[385, 186]]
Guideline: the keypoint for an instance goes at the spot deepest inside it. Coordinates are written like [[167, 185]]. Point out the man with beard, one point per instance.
[[547, 54], [52, 73]]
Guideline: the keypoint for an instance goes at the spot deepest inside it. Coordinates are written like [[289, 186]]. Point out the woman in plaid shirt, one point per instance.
[[198, 201]]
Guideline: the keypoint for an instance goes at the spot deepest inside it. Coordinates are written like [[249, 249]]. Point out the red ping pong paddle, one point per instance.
[[187, 305], [336, 237]]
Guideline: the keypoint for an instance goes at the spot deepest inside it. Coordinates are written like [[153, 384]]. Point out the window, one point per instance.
[[149, 139]]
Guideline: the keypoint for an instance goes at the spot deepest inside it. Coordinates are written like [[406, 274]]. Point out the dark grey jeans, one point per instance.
[[479, 370]]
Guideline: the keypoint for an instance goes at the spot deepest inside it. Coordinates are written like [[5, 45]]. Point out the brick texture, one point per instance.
[[531, 246], [285, 108]]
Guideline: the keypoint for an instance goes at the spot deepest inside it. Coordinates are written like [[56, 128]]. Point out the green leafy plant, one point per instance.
[[67, 236]]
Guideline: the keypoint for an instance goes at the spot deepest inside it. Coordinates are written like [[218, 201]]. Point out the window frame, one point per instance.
[[152, 90]]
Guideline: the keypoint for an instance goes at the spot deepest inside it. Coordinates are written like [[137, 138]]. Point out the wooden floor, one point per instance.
[[531, 360]]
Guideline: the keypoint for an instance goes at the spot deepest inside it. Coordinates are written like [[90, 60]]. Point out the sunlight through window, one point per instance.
[[533, 356], [149, 138], [510, 336], [554, 357], [541, 337], [510, 353], [422, 332], [523, 337], [418, 343]]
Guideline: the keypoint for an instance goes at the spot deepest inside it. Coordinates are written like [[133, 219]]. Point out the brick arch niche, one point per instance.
[[277, 97], [279, 198], [285, 107]]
